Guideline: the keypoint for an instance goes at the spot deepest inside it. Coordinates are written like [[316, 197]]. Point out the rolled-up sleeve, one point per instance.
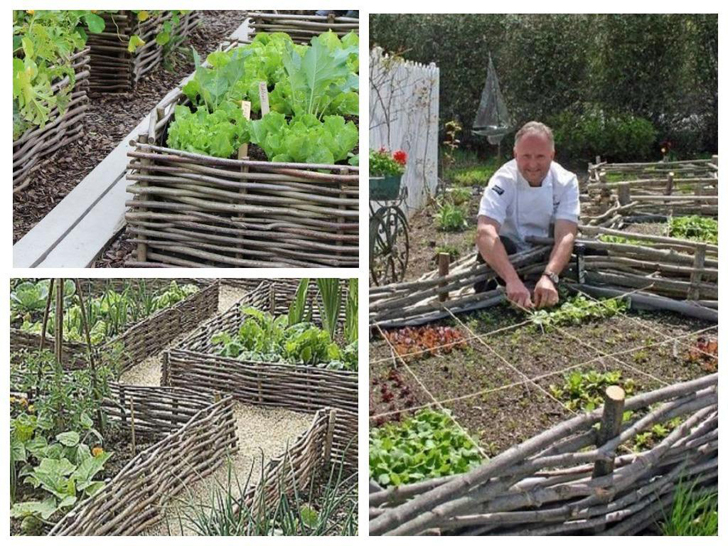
[[496, 199], [569, 207]]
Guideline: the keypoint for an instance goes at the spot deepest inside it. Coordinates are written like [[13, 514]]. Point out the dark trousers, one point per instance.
[[491, 284]]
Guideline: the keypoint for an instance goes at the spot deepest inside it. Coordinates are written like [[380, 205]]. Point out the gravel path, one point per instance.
[[110, 118], [149, 372], [229, 295], [262, 434]]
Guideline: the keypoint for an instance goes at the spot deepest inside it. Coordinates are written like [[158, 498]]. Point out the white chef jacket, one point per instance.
[[522, 210]]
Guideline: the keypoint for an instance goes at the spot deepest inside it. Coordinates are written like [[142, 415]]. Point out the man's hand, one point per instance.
[[545, 293], [517, 292]]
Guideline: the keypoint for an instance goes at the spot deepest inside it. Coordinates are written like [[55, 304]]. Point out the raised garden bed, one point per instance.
[[301, 28], [552, 483], [39, 142], [145, 338], [292, 386], [197, 210], [113, 67]]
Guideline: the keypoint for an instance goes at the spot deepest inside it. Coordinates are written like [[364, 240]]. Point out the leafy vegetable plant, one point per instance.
[[695, 228], [264, 338], [312, 88], [413, 343], [451, 217], [428, 445], [576, 310], [585, 391]]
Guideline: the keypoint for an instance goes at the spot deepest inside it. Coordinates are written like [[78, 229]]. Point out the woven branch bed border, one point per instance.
[[193, 210], [143, 339], [417, 302], [570, 479], [113, 67], [38, 143], [331, 438], [301, 28], [291, 386], [674, 268], [132, 501]]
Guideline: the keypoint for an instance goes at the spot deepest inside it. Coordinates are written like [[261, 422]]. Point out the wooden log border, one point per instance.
[[653, 191], [37, 143], [544, 486], [113, 68], [143, 339]]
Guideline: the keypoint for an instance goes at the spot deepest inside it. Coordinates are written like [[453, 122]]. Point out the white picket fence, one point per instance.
[[404, 102]]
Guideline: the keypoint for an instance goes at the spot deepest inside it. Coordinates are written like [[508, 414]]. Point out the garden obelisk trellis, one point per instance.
[[492, 120]]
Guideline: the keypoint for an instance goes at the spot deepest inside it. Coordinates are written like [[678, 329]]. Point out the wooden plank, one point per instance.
[[82, 245]]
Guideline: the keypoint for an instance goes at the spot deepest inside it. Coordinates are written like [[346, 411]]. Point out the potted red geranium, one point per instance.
[[385, 173]]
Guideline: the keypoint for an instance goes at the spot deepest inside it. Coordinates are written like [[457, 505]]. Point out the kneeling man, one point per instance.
[[524, 197]]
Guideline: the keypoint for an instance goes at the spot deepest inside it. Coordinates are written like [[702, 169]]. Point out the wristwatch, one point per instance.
[[553, 277]]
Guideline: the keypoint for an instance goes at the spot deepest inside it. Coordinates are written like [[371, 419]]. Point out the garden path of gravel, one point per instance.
[[263, 433]]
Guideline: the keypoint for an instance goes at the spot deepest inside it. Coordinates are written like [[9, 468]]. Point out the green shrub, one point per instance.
[[459, 196], [584, 134]]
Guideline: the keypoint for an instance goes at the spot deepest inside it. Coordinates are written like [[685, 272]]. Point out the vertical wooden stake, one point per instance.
[[329, 435], [272, 301], [142, 245], [92, 363], [122, 401], [670, 183], [611, 426], [46, 314], [443, 268], [133, 426], [58, 332], [623, 194]]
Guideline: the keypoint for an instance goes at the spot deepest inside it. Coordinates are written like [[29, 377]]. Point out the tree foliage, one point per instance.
[[658, 69]]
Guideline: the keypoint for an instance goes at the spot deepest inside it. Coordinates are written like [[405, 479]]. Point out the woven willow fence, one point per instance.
[[301, 28], [113, 67], [647, 190], [38, 143], [134, 499], [571, 479], [194, 210], [143, 339], [330, 438]]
